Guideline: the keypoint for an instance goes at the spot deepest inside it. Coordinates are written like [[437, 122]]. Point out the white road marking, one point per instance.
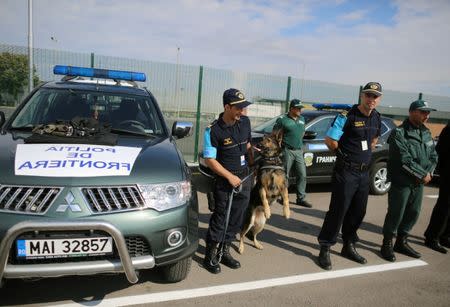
[[245, 286], [432, 196]]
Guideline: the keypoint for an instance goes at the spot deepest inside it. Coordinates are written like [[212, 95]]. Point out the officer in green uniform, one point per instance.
[[292, 128], [412, 160]]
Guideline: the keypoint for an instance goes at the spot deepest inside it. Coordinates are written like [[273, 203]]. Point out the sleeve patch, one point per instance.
[[208, 150]]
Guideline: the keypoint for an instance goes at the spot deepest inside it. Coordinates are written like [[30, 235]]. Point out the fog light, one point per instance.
[[174, 238]]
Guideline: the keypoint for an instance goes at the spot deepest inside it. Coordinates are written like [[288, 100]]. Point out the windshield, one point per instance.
[[127, 113], [267, 126]]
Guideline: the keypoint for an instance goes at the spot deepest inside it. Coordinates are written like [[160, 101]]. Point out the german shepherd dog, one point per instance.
[[270, 185]]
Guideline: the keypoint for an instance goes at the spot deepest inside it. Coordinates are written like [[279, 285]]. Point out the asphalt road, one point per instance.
[[284, 273]]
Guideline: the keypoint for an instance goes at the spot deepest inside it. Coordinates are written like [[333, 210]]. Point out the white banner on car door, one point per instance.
[[74, 160]]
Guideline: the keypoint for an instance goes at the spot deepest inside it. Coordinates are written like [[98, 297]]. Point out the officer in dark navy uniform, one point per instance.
[[352, 136], [228, 153]]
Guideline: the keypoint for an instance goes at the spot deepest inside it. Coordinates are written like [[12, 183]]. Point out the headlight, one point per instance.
[[165, 196]]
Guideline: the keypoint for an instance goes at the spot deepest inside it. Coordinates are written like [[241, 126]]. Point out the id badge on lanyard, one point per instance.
[[242, 160], [364, 145]]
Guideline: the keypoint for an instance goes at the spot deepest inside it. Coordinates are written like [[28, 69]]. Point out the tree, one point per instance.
[[14, 73]]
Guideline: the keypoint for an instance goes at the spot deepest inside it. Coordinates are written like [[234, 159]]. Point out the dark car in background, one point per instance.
[[319, 159]]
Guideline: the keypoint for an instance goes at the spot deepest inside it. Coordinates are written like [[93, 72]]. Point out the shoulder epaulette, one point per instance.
[[212, 124]]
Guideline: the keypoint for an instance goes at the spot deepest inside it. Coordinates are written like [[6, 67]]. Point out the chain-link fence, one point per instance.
[[176, 87]]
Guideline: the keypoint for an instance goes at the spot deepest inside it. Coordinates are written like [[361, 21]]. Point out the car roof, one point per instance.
[[96, 87]]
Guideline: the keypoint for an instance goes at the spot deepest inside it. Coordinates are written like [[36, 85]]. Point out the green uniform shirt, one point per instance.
[[411, 154], [293, 131]]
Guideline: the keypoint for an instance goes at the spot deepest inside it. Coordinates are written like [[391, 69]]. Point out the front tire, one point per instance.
[[178, 271], [378, 183]]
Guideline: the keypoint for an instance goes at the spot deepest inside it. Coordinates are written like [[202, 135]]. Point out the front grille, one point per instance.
[[136, 246], [111, 199], [25, 199]]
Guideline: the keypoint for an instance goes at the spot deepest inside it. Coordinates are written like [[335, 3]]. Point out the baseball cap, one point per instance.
[[374, 88], [295, 103], [235, 97], [420, 105]]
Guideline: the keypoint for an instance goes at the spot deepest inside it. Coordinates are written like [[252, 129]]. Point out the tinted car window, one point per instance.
[[122, 111], [321, 127]]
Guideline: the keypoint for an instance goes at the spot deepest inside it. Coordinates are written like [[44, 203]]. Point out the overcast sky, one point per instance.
[[403, 44]]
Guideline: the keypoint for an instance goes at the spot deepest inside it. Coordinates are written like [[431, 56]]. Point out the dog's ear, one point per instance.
[[278, 135]]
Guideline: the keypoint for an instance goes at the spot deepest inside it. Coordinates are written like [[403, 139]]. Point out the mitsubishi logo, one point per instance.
[[69, 204]]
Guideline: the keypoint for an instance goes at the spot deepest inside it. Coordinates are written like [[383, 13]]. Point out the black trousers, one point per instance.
[[218, 217], [350, 191], [439, 226]]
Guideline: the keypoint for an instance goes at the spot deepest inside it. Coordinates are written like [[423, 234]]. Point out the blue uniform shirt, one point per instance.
[[228, 144], [359, 131]]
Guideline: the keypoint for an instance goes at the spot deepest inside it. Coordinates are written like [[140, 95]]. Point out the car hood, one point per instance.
[[257, 137], [157, 161]]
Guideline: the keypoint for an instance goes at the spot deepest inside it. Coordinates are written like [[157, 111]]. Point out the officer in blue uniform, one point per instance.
[[352, 136], [228, 153]]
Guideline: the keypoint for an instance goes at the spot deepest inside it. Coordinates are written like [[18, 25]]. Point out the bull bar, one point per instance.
[[126, 264]]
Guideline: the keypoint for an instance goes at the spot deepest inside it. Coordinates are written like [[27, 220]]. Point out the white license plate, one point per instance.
[[67, 247]]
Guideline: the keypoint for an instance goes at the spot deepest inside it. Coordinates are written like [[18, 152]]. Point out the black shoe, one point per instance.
[[324, 258], [445, 242], [401, 246], [303, 203], [348, 251], [211, 262], [387, 251], [227, 259], [434, 245]]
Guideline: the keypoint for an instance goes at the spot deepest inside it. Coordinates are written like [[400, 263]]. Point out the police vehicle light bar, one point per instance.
[[332, 106], [98, 73]]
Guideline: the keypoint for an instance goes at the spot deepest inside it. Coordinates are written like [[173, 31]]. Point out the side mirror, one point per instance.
[[182, 129], [310, 135], [2, 119]]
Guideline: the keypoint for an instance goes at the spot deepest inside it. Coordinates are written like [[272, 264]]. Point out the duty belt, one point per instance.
[[290, 147], [240, 173], [362, 167]]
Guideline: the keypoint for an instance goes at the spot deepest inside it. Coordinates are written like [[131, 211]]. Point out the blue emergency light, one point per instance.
[[332, 106], [99, 73]]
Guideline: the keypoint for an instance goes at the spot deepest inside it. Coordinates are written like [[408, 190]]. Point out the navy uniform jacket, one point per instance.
[[357, 129], [228, 144]]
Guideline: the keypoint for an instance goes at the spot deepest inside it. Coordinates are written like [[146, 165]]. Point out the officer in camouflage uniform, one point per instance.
[[412, 160], [437, 233]]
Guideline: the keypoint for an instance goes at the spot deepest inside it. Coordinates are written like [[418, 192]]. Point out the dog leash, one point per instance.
[[235, 190]]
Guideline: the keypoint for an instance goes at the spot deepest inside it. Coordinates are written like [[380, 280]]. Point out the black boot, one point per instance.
[[349, 252], [211, 261], [324, 257], [434, 245], [445, 241], [387, 250], [401, 246], [227, 259]]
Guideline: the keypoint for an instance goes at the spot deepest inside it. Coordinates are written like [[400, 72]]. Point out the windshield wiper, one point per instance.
[[124, 131], [23, 128]]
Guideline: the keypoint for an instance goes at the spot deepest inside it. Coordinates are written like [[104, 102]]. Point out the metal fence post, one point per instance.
[[288, 94], [359, 95], [199, 104], [92, 60]]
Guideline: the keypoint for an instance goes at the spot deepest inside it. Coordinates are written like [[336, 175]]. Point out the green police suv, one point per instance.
[[91, 181]]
